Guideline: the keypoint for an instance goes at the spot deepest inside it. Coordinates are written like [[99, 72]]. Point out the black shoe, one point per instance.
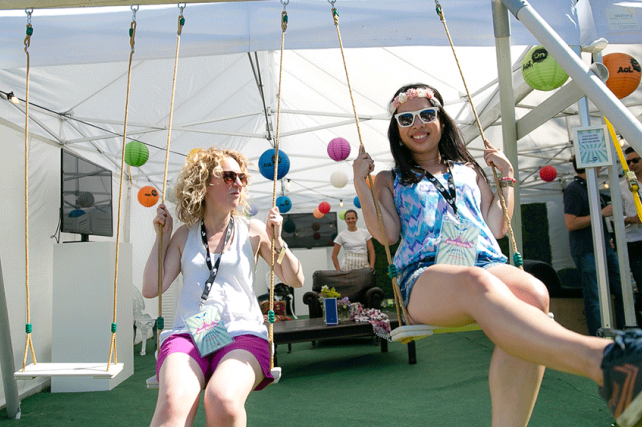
[[622, 367]]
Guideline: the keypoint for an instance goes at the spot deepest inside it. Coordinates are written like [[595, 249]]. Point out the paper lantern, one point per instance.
[[289, 226], [148, 196], [541, 71], [76, 213], [252, 210], [136, 153], [624, 74], [368, 181], [324, 207], [192, 153], [338, 149], [266, 164], [316, 236], [342, 215], [283, 203], [316, 226], [317, 213], [548, 173], [357, 203], [85, 199], [339, 179]]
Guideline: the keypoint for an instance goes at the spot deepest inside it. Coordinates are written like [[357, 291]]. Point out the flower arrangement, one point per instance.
[[329, 292], [343, 304]]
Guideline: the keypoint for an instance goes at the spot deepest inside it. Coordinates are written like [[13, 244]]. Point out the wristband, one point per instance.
[[506, 183], [282, 253]]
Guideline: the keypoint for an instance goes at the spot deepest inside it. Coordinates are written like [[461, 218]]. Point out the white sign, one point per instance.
[[591, 146]]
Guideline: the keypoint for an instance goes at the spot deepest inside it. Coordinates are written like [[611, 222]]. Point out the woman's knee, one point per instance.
[[222, 406], [539, 296], [176, 405]]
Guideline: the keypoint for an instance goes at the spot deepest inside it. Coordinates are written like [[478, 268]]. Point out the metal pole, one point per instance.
[[623, 120], [507, 101], [6, 357]]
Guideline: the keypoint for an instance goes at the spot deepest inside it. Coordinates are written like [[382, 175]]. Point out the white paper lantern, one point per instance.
[[339, 179]]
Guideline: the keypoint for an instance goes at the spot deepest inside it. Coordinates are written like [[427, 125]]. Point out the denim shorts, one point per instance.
[[412, 272]]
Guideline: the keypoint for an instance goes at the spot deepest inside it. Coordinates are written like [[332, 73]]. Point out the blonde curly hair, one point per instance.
[[201, 165]]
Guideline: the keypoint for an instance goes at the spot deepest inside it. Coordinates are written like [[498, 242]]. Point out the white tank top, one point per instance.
[[232, 293]]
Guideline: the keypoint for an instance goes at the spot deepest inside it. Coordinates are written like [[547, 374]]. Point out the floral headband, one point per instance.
[[409, 94]]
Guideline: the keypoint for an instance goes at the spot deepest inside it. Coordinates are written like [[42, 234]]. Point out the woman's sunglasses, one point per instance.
[[427, 115], [634, 161], [229, 177]]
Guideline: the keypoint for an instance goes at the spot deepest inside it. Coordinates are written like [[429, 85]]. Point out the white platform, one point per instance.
[[82, 312], [94, 370]]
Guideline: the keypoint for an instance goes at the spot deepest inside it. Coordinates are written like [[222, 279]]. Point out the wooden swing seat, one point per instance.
[[96, 370], [152, 382]]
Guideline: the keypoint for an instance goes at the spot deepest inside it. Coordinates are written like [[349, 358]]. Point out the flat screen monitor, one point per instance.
[[85, 197], [306, 231]]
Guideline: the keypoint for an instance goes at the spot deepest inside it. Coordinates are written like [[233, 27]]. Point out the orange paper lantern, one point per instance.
[[317, 213], [624, 74], [148, 196]]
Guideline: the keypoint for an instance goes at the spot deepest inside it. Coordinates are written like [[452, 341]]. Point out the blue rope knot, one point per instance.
[[28, 328], [113, 328], [392, 271], [160, 323], [271, 316], [517, 259]]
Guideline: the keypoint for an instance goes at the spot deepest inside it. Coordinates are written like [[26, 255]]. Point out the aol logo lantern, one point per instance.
[[624, 74], [266, 164], [541, 71], [284, 204]]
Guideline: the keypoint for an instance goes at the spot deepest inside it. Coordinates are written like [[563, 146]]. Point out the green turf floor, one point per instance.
[[345, 383]]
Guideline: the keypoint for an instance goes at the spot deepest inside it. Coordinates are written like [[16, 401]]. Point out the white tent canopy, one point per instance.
[[229, 57]]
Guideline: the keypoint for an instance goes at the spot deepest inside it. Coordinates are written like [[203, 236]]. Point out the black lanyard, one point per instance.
[[208, 260], [451, 195]]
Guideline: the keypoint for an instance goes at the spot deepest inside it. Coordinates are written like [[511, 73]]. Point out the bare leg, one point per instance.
[[450, 295], [180, 383], [234, 379]]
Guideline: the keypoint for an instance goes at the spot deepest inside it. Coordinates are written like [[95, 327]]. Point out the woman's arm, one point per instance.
[[491, 206], [371, 253], [289, 270], [335, 256], [383, 188], [171, 254]]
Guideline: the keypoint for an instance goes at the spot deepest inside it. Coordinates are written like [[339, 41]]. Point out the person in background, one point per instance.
[[633, 226], [216, 250], [577, 216], [357, 245], [452, 272]]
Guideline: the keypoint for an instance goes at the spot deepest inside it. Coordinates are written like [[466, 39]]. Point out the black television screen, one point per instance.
[[306, 231], [85, 197]]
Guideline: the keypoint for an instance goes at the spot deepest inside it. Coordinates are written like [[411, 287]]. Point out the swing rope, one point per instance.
[[284, 26], [517, 257], [132, 33], [391, 267], [28, 328], [631, 178], [160, 322]]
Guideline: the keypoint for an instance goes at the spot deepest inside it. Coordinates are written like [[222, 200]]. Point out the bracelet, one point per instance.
[[282, 253], [506, 183], [508, 178]]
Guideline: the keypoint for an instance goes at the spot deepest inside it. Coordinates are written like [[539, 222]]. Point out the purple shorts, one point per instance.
[[182, 343]]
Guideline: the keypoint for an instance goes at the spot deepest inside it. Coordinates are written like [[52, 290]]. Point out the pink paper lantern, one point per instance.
[[324, 207], [548, 173], [338, 149]]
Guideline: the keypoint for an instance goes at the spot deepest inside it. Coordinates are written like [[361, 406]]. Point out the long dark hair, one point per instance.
[[451, 145]]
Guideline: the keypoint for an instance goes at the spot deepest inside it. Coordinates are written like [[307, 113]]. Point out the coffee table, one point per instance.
[[303, 330]]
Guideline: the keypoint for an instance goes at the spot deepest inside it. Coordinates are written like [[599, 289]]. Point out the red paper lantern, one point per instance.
[[624, 74], [324, 207], [338, 149], [148, 196], [548, 173]]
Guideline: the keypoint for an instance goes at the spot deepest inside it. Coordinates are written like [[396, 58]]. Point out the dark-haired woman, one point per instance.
[[451, 271]]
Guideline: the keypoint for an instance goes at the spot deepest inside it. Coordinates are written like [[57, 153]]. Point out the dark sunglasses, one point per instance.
[[229, 177], [427, 115], [634, 161]]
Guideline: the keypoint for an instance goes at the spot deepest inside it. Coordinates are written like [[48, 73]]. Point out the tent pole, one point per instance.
[[507, 101], [623, 120], [6, 357]]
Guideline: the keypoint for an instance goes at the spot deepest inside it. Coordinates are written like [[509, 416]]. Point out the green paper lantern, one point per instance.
[[136, 153], [342, 215], [541, 71]]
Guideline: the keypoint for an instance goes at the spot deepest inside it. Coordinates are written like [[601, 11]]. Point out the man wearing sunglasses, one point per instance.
[[633, 226], [577, 216]]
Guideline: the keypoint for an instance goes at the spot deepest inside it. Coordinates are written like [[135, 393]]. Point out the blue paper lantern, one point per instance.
[[289, 226], [253, 210], [284, 204], [357, 203], [266, 164]]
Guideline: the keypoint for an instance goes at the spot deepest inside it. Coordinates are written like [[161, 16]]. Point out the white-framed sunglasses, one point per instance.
[[426, 115]]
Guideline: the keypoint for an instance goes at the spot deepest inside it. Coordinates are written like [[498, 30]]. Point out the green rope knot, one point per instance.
[[28, 328], [392, 271], [160, 323], [182, 21], [335, 12], [271, 316], [131, 32], [29, 30], [285, 18], [113, 328], [438, 9], [517, 259]]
